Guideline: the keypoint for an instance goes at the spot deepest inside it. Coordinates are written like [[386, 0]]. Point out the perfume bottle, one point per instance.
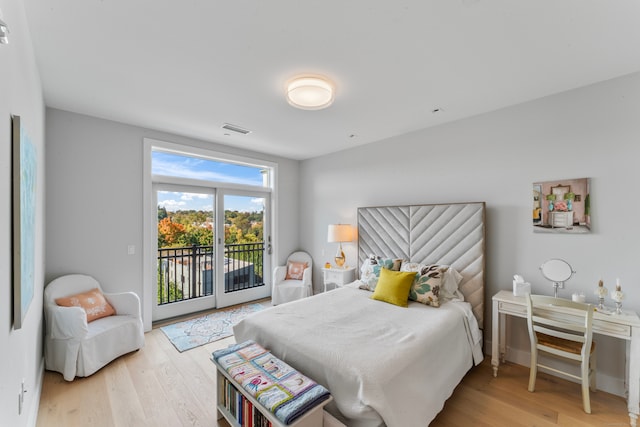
[[601, 292], [617, 296]]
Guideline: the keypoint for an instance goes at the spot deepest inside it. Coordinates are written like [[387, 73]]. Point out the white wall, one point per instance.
[[94, 196], [590, 132], [20, 94]]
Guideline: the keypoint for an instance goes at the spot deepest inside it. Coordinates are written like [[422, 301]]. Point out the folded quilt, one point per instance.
[[277, 386]]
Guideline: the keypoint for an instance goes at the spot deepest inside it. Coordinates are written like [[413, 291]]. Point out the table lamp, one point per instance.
[[340, 233]]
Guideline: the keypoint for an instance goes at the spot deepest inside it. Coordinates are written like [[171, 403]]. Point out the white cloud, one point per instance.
[[176, 200], [171, 205], [192, 196], [187, 169]]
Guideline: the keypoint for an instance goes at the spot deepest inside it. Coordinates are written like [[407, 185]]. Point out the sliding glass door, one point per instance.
[[185, 251], [211, 249], [246, 247]]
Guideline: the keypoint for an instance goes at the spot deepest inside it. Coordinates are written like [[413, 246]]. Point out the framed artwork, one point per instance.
[[562, 206], [537, 204], [24, 175]]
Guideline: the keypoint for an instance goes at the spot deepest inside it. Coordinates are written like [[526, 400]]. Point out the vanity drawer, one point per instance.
[[601, 325], [513, 309], [612, 329]]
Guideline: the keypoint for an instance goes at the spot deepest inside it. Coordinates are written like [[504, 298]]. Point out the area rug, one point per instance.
[[212, 327]]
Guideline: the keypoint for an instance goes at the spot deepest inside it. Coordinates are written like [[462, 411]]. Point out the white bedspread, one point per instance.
[[383, 364]]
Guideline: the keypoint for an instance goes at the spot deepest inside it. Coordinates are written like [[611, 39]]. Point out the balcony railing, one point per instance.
[[188, 272]]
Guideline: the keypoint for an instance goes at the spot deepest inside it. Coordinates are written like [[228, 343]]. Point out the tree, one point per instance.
[[232, 234], [191, 227], [169, 232], [198, 235], [162, 212]]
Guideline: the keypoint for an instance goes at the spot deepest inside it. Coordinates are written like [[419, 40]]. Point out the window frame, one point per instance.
[[150, 145]]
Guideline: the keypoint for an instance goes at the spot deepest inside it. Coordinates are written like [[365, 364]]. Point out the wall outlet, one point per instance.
[[131, 249]]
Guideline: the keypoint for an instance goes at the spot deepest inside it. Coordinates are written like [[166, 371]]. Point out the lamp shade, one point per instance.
[[340, 233], [310, 92]]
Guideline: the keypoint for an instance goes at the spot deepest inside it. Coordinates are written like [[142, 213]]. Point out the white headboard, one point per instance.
[[449, 234]]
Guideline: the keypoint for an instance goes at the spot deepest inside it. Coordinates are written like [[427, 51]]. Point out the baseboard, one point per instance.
[[604, 382], [37, 392]]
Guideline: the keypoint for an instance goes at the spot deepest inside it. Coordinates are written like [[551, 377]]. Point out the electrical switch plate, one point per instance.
[[21, 393], [131, 249]]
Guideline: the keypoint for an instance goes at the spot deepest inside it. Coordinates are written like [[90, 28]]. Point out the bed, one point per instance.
[[384, 364]]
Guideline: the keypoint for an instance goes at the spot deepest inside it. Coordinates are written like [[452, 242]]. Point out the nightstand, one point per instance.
[[338, 277]]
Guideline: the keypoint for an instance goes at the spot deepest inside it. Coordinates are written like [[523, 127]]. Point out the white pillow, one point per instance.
[[410, 266], [367, 265], [452, 279]]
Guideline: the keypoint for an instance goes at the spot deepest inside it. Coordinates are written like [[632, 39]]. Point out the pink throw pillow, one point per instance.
[[93, 303], [295, 270]]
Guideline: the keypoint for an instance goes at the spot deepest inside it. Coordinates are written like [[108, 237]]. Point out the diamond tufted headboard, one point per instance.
[[449, 234]]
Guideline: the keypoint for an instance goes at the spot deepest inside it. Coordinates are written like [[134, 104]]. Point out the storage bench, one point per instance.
[[257, 389]]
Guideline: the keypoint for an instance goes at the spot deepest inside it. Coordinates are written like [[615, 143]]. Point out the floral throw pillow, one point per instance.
[[370, 272], [450, 280], [392, 264], [427, 284]]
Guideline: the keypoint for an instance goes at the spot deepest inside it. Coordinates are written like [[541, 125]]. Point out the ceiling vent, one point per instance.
[[234, 128]]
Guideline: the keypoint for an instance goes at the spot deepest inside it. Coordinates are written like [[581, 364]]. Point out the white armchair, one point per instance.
[[288, 289], [75, 347]]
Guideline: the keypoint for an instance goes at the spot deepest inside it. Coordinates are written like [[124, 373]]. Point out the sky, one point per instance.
[[208, 170]]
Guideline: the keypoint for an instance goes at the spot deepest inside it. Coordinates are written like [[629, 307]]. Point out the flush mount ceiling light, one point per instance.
[[310, 92]]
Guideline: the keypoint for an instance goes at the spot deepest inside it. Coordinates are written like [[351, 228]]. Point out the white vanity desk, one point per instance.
[[624, 326]]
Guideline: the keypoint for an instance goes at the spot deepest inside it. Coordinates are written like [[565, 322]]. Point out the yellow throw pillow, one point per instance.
[[93, 303], [393, 287]]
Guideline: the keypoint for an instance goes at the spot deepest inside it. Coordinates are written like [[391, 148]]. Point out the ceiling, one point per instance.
[[189, 66]]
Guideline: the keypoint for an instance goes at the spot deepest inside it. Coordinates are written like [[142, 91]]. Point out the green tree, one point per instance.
[[201, 236], [162, 212], [167, 294]]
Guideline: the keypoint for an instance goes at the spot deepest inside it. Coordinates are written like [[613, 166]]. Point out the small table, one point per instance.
[[561, 219], [338, 277], [624, 326]]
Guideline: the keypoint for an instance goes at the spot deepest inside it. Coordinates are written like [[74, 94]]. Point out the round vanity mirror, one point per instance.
[[557, 271]]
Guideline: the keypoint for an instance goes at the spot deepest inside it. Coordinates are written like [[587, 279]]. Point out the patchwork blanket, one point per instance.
[[285, 392]]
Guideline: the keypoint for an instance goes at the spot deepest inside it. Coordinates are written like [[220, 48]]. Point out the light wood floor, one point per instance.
[[158, 386]]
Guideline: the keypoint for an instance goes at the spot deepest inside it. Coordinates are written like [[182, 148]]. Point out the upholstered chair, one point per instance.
[[292, 281], [77, 345]]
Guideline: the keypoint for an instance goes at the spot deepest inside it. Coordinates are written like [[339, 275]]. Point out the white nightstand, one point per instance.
[[338, 276]]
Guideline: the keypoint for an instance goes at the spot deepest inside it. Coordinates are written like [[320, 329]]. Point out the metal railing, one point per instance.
[[186, 273]]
